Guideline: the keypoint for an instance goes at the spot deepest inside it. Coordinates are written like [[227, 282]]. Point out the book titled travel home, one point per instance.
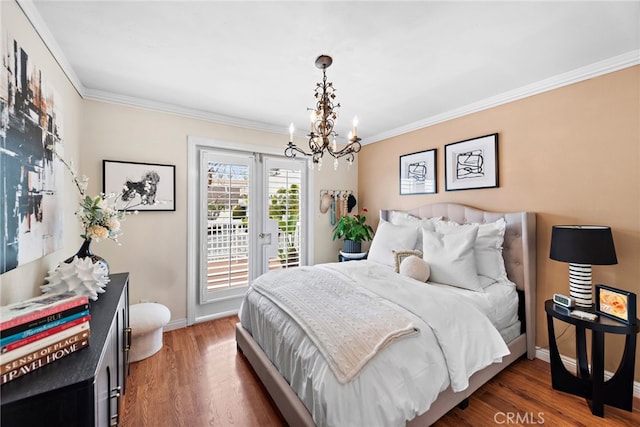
[[35, 308], [50, 355]]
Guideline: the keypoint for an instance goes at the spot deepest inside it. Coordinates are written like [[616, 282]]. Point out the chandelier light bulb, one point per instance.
[[355, 126], [335, 164], [291, 129]]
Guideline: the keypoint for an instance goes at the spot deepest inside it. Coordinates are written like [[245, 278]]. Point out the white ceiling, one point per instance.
[[397, 65]]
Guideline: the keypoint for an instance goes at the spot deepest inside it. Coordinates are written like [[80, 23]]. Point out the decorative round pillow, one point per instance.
[[416, 268]]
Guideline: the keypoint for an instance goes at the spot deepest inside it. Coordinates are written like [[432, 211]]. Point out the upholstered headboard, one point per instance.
[[519, 249]]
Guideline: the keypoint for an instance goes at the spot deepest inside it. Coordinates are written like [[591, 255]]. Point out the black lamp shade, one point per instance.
[[583, 244]]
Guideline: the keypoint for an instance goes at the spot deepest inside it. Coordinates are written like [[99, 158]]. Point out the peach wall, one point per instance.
[[572, 155]]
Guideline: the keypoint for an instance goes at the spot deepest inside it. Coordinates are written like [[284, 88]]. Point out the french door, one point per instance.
[[252, 219]]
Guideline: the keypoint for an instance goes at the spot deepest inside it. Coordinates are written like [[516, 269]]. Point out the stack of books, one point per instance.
[[41, 330]]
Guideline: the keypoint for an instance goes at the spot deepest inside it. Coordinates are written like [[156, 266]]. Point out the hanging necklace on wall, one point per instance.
[[333, 211]]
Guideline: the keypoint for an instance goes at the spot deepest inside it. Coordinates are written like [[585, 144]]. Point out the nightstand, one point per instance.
[[351, 256], [617, 391]]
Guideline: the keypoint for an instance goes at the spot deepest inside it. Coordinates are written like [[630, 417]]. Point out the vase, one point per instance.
[[85, 252], [352, 247]]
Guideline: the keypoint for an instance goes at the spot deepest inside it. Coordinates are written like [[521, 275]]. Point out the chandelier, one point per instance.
[[322, 137]]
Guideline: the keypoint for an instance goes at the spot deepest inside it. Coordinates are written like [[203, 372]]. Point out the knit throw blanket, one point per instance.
[[347, 323]]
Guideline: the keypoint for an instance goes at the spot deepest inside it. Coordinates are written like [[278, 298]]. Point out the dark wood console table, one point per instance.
[[617, 391], [84, 388]]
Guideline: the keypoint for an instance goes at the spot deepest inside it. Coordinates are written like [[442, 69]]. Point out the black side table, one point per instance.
[[617, 391]]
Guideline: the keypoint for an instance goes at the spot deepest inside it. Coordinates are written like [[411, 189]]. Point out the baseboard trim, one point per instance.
[[570, 364], [175, 324], [216, 316], [182, 323]]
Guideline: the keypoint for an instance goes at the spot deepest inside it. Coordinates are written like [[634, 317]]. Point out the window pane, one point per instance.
[[227, 225], [284, 207]]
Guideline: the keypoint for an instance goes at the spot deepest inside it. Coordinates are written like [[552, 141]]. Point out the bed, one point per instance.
[[518, 253]]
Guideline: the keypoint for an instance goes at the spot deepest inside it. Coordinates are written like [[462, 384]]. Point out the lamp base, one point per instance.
[[580, 285]]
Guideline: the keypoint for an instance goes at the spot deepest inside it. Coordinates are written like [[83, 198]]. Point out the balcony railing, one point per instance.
[[228, 253]]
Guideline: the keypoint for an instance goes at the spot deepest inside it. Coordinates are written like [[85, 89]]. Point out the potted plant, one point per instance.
[[354, 230]]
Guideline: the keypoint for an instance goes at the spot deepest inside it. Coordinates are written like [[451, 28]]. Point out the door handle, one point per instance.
[[127, 339]]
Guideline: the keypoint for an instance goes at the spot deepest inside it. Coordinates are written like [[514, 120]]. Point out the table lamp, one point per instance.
[[582, 246]]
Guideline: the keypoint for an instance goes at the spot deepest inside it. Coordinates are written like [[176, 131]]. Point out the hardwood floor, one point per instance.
[[198, 379]]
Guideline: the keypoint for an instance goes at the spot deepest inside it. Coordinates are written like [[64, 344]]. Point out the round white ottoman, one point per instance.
[[146, 321]]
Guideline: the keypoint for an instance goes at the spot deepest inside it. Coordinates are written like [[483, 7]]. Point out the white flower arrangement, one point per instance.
[[98, 215]]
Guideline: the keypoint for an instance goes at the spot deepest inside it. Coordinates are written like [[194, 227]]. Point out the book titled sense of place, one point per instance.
[[49, 355], [41, 330]]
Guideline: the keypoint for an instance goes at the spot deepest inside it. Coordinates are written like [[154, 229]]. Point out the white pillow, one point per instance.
[[415, 267], [488, 248], [397, 217], [389, 237], [407, 220], [451, 257], [404, 218]]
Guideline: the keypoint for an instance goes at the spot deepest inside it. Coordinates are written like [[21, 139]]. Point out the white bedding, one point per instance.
[[498, 301], [361, 323], [402, 381]]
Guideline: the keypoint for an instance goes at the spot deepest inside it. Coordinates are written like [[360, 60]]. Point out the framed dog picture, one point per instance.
[[140, 186]]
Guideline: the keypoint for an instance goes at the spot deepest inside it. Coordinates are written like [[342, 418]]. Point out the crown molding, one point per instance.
[[596, 69], [610, 65], [114, 98], [32, 14]]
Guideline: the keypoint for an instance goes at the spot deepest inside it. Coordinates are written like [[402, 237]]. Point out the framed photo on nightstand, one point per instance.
[[616, 304]]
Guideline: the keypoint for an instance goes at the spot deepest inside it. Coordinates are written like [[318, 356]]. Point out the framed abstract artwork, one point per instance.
[[472, 163], [143, 186], [32, 179], [418, 173]]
